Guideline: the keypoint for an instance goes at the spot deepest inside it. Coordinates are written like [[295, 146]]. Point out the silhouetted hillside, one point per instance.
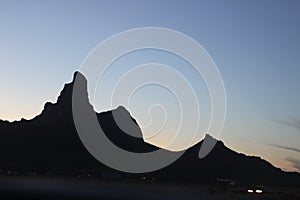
[[50, 142], [224, 163]]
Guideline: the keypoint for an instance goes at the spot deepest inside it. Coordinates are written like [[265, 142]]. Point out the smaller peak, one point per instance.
[[208, 136], [48, 104], [120, 107], [121, 110]]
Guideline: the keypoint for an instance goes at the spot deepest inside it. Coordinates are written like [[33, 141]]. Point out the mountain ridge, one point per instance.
[[50, 141]]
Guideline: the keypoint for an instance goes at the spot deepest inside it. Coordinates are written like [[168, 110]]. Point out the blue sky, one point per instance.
[[255, 44]]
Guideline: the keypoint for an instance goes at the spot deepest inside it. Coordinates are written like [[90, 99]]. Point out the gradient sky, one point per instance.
[[255, 44]]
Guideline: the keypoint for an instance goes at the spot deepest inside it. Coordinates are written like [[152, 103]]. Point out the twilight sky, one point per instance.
[[255, 44]]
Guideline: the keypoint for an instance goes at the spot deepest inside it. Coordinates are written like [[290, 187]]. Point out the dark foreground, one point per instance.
[[62, 188]]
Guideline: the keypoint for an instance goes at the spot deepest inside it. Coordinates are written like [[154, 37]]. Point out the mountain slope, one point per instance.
[[50, 142]]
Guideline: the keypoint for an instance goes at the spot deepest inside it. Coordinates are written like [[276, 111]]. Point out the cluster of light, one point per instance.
[[256, 191]]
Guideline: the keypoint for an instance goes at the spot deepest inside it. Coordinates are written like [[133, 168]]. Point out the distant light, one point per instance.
[[250, 191], [258, 191]]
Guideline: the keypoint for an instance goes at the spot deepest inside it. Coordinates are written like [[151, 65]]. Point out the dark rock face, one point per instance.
[[50, 142], [222, 162]]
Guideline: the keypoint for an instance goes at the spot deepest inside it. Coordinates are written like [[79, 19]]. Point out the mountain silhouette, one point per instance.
[[224, 163], [50, 142]]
